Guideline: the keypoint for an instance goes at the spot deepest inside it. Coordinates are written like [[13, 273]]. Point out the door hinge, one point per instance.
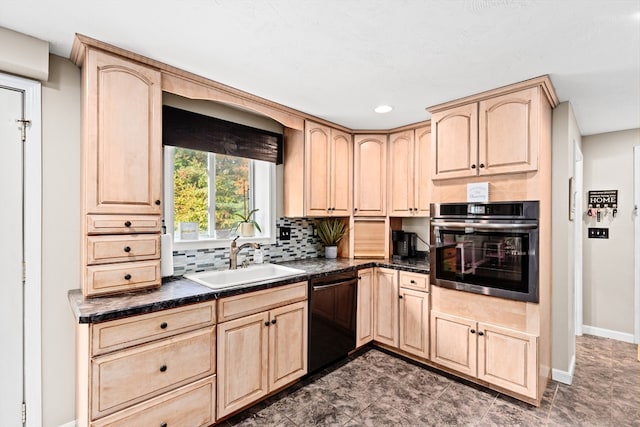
[[23, 128], [24, 413]]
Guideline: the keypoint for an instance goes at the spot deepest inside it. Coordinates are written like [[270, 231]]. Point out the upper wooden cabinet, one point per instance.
[[370, 175], [328, 171], [494, 134], [409, 172], [122, 141]]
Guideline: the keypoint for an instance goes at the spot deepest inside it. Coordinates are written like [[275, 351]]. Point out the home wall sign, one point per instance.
[[603, 199]]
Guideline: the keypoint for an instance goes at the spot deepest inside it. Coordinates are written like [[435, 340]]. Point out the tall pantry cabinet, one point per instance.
[[121, 173]]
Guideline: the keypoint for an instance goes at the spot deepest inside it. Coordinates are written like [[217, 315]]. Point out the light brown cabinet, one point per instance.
[[385, 303], [129, 369], [501, 356], [414, 322], [121, 171], [409, 172], [496, 135], [370, 175], [328, 171], [364, 323], [261, 352]]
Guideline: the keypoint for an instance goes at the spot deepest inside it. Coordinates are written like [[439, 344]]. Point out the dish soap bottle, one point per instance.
[[258, 256]]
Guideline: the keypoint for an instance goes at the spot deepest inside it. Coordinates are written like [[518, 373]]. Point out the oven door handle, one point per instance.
[[333, 285], [476, 226]]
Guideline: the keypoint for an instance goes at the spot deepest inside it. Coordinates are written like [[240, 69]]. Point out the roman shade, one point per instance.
[[186, 129]]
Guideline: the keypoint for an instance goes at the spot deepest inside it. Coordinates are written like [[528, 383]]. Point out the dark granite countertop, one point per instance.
[[178, 291]]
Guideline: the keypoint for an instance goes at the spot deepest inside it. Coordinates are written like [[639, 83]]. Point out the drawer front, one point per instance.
[[122, 248], [122, 277], [123, 224], [118, 334], [415, 281], [125, 378], [254, 302], [188, 406]]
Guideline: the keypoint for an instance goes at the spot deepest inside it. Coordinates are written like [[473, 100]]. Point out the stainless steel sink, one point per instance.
[[221, 279]]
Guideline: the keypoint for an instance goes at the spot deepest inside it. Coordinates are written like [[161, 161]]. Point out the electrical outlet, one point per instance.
[[285, 233], [598, 233]]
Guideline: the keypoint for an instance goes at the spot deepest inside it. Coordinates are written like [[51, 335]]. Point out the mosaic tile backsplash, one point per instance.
[[301, 246]]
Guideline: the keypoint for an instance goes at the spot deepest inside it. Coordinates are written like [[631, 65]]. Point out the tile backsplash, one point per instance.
[[301, 246]]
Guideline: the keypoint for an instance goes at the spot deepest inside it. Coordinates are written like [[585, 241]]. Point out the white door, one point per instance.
[[11, 258], [636, 219]]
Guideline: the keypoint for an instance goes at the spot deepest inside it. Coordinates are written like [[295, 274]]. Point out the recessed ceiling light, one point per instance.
[[383, 109]]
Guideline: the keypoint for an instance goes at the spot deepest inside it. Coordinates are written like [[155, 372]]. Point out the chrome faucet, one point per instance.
[[235, 249]]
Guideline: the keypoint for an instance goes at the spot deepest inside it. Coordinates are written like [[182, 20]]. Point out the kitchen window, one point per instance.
[[209, 189]]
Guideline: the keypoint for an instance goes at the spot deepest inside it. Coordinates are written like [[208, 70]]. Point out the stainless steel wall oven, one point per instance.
[[486, 248]]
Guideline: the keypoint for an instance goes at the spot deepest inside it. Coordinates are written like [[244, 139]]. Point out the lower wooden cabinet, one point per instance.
[[260, 353], [501, 356], [364, 321], [414, 322], [385, 303]]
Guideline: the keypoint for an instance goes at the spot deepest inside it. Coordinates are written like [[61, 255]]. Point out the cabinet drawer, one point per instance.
[[122, 277], [122, 379], [122, 248], [118, 334], [254, 302], [416, 281], [123, 224], [189, 406]]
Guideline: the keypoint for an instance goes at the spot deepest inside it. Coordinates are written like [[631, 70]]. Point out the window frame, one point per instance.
[[266, 217]]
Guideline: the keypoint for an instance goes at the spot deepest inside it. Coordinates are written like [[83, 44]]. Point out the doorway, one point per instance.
[[577, 236], [20, 253]]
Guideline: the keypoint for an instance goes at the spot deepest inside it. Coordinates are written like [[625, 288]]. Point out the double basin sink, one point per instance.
[[222, 279]]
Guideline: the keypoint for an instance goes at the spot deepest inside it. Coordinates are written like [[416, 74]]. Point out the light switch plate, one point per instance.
[[285, 233], [598, 233]]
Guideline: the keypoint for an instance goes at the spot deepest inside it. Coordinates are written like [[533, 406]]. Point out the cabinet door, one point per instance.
[[287, 344], [318, 166], [508, 359], [401, 174], [122, 123], [385, 300], [370, 175], [243, 348], [414, 322], [341, 173], [454, 142], [508, 140], [422, 171], [364, 321], [453, 342]]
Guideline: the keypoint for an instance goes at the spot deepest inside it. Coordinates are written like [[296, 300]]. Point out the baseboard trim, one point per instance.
[[565, 377], [69, 424], [607, 333]]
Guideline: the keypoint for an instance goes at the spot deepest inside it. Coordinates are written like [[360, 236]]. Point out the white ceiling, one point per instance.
[[338, 59]]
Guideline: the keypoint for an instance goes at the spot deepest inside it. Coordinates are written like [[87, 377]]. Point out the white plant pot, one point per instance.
[[330, 252], [246, 229]]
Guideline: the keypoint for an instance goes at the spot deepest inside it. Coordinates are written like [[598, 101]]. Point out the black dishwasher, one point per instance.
[[332, 318]]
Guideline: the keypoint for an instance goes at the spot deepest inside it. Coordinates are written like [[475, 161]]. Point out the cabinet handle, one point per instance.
[[127, 276], [413, 282], [157, 202], [163, 425], [127, 249], [355, 209], [480, 333], [127, 223], [400, 296], [163, 368], [473, 331], [266, 323], [273, 322], [473, 166], [163, 325], [481, 165], [359, 277]]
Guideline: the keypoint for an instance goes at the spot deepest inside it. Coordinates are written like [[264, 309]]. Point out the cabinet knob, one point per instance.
[[400, 296], [273, 322], [163, 368], [473, 166], [359, 277], [413, 282], [481, 165], [473, 331], [127, 223], [127, 276], [157, 202], [127, 249], [266, 323], [355, 209], [480, 333], [163, 325], [163, 425]]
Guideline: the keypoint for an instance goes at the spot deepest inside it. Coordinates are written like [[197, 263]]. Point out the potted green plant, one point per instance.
[[246, 226], [330, 232]]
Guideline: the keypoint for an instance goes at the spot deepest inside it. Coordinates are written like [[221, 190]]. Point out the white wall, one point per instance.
[[565, 134], [608, 264], [60, 237]]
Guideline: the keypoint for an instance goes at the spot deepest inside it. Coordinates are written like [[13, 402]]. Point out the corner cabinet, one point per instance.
[[328, 171], [370, 175], [385, 303], [498, 134], [121, 173], [409, 172]]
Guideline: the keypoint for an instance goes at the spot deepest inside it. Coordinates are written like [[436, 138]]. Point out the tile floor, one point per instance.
[[373, 388]]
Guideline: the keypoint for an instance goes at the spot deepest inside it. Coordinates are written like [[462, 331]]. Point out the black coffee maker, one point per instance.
[[404, 244]]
